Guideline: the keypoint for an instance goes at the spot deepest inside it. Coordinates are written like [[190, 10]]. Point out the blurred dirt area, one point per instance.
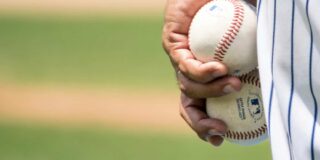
[[152, 109], [149, 110], [82, 7]]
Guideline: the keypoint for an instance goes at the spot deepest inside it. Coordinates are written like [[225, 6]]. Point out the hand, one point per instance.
[[208, 129], [197, 80]]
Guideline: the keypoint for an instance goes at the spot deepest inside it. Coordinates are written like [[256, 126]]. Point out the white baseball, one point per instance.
[[242, 112], [225, 30]]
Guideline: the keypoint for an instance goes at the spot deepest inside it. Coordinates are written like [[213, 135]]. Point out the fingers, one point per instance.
[[195, 70], [182, 12], [208, 129], [202, 72], [218, 87], [175, 42]]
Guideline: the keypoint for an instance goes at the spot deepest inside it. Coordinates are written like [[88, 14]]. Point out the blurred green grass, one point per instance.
[[105, 51], [119, 51], [30, 142]]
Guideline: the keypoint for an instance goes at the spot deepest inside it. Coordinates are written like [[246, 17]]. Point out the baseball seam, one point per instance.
[[232, 31], [248, 134], [249, 79], [253, 80]]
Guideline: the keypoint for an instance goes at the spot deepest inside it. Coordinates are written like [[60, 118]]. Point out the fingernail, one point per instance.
[[229, 89], [214, 132], [215, 140]]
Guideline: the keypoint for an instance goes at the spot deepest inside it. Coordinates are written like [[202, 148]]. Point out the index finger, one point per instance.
[[197, 70]]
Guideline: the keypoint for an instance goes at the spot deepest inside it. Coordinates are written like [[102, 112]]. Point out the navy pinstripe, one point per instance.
[[292, 69], [258, 10], [272, 63], [289, 53], [311, 83], [292, 76]]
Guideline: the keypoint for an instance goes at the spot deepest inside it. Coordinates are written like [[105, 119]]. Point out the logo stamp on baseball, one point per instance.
[[242, 111]]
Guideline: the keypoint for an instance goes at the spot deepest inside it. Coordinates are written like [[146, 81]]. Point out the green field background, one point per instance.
[[103, 52], [124, 51]]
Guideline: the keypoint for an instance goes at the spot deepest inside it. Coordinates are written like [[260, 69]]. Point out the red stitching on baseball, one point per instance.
[[248, 134], [232, 32], [253, 80], [220, 57], [250, 79]]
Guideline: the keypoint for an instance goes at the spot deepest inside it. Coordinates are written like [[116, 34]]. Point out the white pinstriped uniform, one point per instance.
[[289, 63]]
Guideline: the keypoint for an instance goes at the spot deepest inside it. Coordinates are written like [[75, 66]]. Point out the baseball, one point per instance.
[[225, 31], [242, 112]]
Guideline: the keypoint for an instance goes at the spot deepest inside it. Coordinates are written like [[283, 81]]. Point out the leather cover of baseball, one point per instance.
[[225, 30], [242, 112]]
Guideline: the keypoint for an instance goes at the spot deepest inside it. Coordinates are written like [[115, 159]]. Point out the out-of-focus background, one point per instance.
[[88, 80]]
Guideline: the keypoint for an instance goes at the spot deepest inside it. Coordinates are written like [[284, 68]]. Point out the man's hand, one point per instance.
[[196, 80], [208, 129]]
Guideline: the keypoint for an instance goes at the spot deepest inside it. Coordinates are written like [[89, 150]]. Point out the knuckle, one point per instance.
[[187, 91], [191, 91], [182, 67], [184, 86]]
